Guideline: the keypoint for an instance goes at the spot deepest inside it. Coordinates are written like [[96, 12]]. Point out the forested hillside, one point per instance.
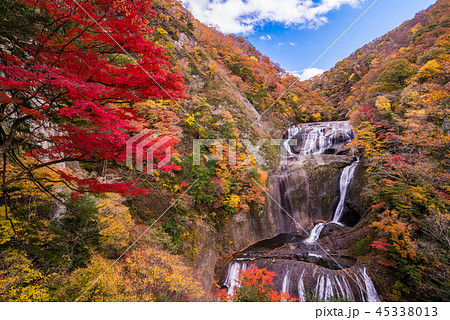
[[79, 80], [395, 91]]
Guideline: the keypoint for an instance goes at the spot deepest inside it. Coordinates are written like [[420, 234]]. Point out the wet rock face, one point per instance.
[[306, 190], [320, 137], [303, 192], [314, 204]]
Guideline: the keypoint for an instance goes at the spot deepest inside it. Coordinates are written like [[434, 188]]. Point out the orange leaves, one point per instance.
[[255, 276], [255, 285], [400, 233], [144, 275]]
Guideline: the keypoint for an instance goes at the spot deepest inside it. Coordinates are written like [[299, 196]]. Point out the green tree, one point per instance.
[[396, 74]]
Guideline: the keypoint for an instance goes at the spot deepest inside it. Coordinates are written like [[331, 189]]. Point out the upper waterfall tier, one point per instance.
[[318, 138]]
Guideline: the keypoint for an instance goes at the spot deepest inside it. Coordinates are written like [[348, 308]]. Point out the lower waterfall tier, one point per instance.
[[313, 209], [306, 272], [310, 282]]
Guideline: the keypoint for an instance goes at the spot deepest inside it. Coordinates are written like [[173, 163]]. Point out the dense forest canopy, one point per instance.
[[395, 91], [78, 80]]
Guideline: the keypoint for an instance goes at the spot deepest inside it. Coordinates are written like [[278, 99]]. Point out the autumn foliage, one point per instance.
[[68, 85], [395, 92], [254, 285]]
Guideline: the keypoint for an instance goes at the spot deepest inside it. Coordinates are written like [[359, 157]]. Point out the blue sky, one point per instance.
[[294, 33]]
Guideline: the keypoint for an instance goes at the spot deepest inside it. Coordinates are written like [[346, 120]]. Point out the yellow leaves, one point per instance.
[[399, 231], [109, 287], [366, 139], [145, 274], [19, 281], [212, 68], [419, 195], [233, 201], [416, 114], [6, 231], [115, 222], [383, 105], [161, 31], [429, 71], [164, 275], [190, 120], [25, 188], [416, 28], [316, 116]]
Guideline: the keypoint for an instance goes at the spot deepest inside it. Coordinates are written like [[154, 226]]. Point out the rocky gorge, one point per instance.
[[313, 208]]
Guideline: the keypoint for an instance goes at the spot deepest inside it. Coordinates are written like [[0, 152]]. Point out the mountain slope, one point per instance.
[[395, 91]]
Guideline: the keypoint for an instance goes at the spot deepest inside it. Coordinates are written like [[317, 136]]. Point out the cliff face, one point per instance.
[[313, 214], [229, 84], [395, 90]]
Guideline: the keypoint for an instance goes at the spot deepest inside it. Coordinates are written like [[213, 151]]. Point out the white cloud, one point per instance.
[[307, 73], [265, 38], [281, 44], [242, 16], [292, 43]]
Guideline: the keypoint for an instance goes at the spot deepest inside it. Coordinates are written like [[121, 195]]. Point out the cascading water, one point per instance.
[[372, 295], [346, 178], [304, 269], [231, 282], [315, 233], [286, 282], [301, 288], [317, 138]]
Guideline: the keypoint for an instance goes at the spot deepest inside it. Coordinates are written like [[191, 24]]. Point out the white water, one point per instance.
[[292, 131], [355, 284], [319, 136], [315, 233], [231, 282], [346, 178], [372, 295], [348, 292], [320, 288], [318, 139], [301, 288], [330, 285], [285, 286], [286, 283]]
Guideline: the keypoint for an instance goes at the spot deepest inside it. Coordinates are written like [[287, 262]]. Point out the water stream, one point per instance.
[[303, 267]]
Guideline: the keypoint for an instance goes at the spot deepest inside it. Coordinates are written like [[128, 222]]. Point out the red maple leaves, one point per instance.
[[255, 285], [80, 72]]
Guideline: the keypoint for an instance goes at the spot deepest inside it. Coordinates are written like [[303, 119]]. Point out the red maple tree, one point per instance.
[[254, 285], [70, 73]]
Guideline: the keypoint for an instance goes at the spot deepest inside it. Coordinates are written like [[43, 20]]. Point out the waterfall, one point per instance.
[[328, 288], [292, 131], [316, 138], [372, 295], [301, 288], [315, 233], [346, 178], [320, 288], [296, 260], [317, 230], [286, 283], [231, 282]]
